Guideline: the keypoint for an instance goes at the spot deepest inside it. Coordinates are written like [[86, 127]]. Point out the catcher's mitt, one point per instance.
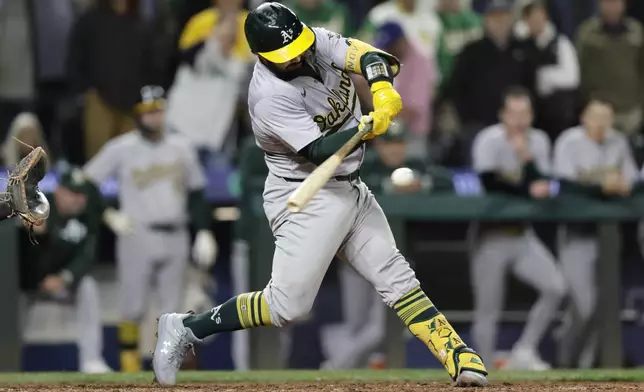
[[24, 197]]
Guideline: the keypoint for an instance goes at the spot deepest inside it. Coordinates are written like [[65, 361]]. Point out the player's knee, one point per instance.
[[296, 312], [289, 312], [87, 286], [287, 306], [556, 289], [586, 307]]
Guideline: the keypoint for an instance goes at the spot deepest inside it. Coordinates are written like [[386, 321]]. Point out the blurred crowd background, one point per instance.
[[78, 65], [71, 72]]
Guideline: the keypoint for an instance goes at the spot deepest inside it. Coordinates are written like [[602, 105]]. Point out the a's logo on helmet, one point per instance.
[[287, 35]]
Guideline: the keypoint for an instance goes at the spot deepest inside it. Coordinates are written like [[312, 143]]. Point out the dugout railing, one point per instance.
[[444, 207]]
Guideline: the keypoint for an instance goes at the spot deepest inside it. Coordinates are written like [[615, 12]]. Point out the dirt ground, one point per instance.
[[333, 387]]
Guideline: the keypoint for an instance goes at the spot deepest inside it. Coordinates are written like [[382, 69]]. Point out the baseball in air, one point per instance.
[[402, 177]]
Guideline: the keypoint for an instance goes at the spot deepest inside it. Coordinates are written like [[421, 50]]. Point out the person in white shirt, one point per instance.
[[210, 81]]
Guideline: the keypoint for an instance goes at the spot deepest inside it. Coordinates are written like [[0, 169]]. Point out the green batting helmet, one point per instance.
[[275, 33]]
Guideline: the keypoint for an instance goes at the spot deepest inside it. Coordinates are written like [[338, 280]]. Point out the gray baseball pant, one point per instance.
[[496, 254], [151, 259], [578, 255], [342, 219]]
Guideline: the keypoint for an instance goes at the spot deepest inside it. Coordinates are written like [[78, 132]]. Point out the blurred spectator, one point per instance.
[[595, 161], [52, 25], [323, 13], [113, 53], [359, 10], [557, 74], [17, 89], [460, 27], [361, 334], [161, 190], [183, 10], [611, 55], [27, 129], [415, 83], [215, 62], [636, 10], [485, 69], [422, 26], [513, 158], [57, 269]]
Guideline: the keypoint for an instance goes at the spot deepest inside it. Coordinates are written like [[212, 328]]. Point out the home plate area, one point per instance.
[[402, 380]]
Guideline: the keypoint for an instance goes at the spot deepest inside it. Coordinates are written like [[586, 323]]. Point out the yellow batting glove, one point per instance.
[[379, 122], [386, 99]]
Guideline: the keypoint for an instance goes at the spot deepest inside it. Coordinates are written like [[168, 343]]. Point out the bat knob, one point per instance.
[[292, 206]]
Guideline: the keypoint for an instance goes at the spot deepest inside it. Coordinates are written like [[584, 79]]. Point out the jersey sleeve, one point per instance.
[[629, 168], [284, 119], [332, 45], [484, 157], [104, 164], [564, 163]]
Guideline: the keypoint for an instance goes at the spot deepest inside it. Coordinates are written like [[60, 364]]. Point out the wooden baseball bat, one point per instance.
[[322, 174]]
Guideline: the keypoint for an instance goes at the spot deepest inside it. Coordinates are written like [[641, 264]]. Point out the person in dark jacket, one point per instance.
[[611, 52], [486, 68], [114, 52], [557, 73], [57, 270]]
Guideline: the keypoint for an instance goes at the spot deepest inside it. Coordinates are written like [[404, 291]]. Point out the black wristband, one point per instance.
[[376, 68]]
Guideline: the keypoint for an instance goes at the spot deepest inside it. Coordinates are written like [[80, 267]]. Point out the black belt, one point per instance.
[[166, 227], [349, 177]]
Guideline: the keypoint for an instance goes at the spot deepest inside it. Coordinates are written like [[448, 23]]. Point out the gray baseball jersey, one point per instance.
[[493, 152], [288, 115], [579, 158], [343, 218], [154, 178]]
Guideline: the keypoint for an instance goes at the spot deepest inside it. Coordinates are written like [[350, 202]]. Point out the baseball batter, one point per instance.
[[160, 181], [596, 161], [303, 107], [513, 158]]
